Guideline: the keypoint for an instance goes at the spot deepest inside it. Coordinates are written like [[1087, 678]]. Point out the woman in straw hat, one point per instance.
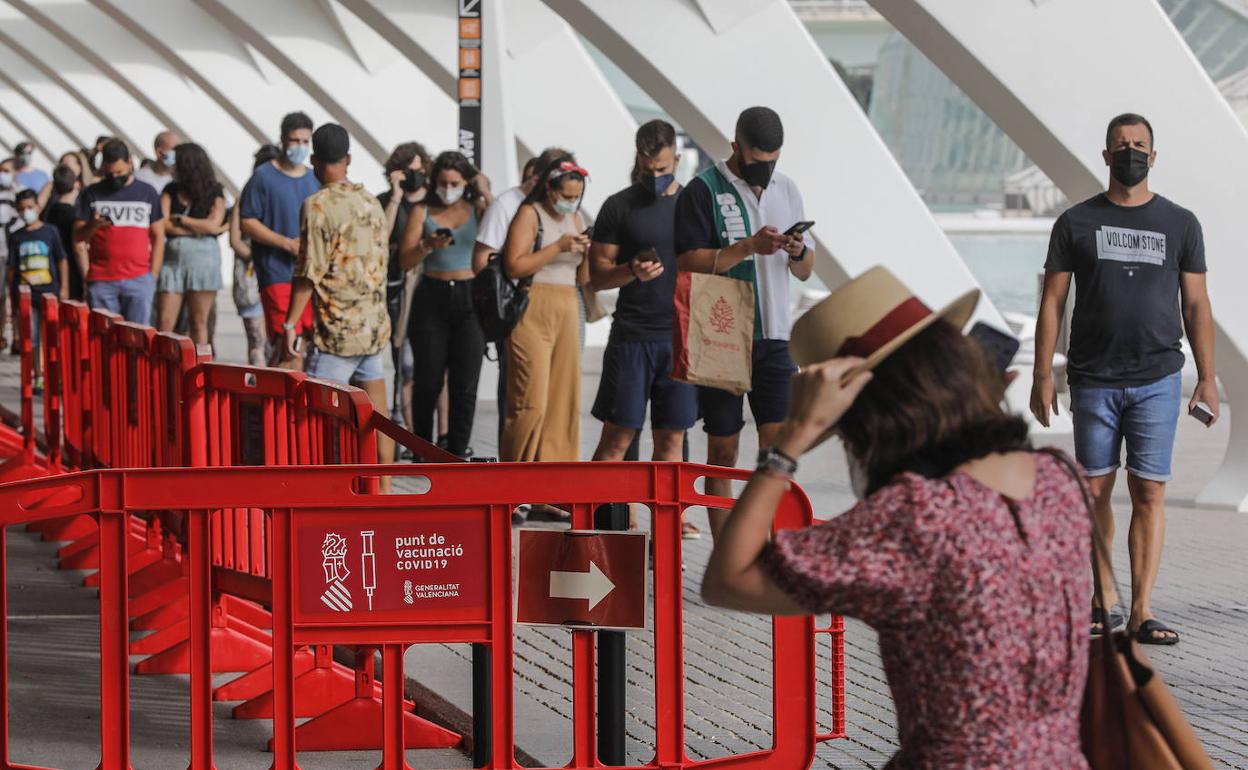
[[969, 554]]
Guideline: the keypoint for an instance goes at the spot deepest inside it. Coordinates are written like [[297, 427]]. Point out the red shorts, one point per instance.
[[276, 301]]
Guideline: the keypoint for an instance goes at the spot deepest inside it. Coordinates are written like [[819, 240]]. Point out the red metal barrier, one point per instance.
[[470, 506], [23, 463], [99, 345], [75, 383], [52, 385]]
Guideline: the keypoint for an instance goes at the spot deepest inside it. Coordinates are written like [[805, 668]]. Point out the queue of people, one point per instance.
[[958, 514]]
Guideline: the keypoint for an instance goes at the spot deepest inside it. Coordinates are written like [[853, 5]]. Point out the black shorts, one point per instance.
[[723, 414], [634, 373]]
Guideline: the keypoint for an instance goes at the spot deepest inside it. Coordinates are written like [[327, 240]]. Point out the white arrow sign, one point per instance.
[[593, 586]]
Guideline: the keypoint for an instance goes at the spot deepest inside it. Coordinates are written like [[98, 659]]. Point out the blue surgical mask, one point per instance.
[[662, 182], [566, 207], [6, 179], [29, 215], [169, 158], [298, 153]]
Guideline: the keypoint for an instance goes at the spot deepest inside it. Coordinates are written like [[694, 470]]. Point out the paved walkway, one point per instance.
[[1203, 591]]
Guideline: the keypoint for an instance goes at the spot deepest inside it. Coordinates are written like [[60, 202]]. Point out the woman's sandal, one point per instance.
[[1148, 632], [1116, 619]]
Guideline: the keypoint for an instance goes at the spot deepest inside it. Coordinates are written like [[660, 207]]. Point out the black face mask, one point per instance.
[[1128, 166], [758, 174], [115, 182], [412, 180]]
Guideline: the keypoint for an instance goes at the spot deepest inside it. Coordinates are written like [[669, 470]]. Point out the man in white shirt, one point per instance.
[[771, 204], [160, 172]]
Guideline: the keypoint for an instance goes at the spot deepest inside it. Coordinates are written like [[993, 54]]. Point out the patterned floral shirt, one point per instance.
[[344, 253], [981, 605]]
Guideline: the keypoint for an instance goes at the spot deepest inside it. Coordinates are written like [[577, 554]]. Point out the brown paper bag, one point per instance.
[[713, 333]]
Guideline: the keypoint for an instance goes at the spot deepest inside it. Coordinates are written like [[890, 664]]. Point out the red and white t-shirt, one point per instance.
[[124, 249]]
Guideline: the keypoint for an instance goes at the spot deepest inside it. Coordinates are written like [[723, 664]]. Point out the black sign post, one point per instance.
[[470, 145], [470, 80]]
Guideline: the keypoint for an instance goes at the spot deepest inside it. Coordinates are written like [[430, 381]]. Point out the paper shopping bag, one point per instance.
[[713, 333]]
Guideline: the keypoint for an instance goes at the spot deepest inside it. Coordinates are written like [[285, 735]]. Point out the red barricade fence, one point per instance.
[[468, 505], [217, 561], [21, 462]]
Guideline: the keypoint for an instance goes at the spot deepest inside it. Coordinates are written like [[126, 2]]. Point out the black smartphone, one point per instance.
[[588, 232], [998, 346], [1203, 413], [444, 232], [799, 228]]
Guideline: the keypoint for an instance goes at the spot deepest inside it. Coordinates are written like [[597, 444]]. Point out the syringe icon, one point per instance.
[[368, 566]]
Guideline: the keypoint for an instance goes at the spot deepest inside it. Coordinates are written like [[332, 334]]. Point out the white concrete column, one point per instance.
[[536, 43], [705, 61], [359, 78], [248, 87], [1056, 87], [142, 73], [78, 78]]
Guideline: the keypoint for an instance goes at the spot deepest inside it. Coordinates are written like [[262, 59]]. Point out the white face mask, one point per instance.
[[29, 215], [450, 195], [6, 179], [566, 207], [858, 481]]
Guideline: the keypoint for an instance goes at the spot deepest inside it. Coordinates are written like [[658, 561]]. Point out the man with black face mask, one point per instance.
[[1139, 263], [715, 216], [121, 220], [633, 250]]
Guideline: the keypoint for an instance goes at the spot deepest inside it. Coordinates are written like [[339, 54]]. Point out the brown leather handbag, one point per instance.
[[1130, 720]]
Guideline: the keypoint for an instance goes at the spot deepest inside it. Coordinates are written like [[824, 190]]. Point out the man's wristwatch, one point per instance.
[[775, 461], [288, 326], [801, 256]]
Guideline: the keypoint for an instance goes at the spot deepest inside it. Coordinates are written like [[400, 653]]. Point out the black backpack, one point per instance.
[[499, 301]]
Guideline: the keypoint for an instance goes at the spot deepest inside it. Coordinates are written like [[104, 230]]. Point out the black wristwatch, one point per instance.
[[801, 256], [772, 459]]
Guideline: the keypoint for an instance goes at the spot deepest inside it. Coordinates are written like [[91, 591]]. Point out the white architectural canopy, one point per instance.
[[223, 72]]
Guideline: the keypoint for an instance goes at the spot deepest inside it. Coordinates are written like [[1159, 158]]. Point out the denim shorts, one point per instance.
[[346, 369], [191, 264], [634, 373], [723, 414], [1146, 416]]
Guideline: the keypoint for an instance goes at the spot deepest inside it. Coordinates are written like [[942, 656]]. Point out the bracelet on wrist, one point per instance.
[[772, 460]]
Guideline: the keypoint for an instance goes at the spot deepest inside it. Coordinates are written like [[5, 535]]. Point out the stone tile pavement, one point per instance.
[[1202, 590]]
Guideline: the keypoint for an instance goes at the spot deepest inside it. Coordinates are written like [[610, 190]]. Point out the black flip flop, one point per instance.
[[1145, 633], [1114, 620], [1099, 618]]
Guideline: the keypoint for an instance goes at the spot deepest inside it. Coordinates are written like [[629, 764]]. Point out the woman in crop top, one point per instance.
[[543, 358], [194, 207], [447, 343]]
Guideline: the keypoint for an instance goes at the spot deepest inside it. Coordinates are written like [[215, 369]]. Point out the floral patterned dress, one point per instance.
[[981, 606]]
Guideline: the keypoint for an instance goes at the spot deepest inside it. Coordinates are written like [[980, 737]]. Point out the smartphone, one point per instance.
[[998, 346], [648, 254], [799, 228], [1203, 413], [588, 232], [444, 232]]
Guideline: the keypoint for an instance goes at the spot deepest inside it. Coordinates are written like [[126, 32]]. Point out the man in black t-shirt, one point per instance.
[[1138, 261], [634, 249], [60, 213]]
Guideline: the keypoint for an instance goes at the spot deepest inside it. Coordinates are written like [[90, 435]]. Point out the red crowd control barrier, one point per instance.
[[22, 462], [75, 377], [326, 534], [221, 562]]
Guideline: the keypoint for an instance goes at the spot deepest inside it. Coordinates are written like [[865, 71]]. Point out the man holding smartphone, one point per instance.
[[748, 196], [1139, 262], [633, 249]]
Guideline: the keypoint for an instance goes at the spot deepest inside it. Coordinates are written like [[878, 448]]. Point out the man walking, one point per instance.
[[341, 271], [770, 204], [269, 216], [1138, 261], [121, 221], [633, 250]]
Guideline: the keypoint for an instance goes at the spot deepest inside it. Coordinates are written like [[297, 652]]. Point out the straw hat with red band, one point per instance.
[[870, 317]]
